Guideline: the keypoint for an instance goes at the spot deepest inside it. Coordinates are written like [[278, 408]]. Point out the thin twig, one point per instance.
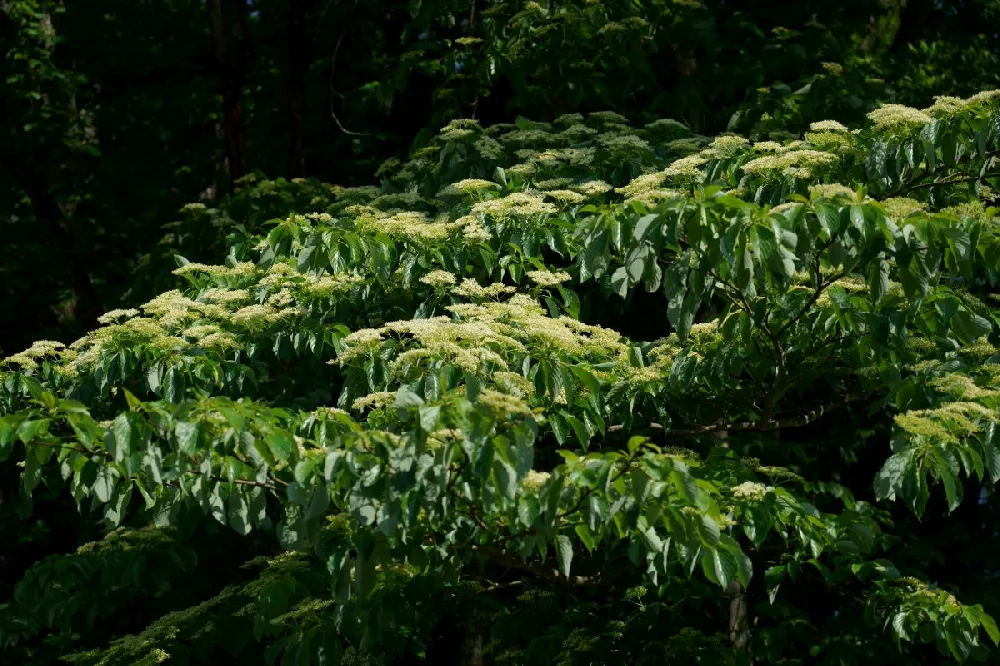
[[503, 558], [796, 421], [333, 68], [953, 181]]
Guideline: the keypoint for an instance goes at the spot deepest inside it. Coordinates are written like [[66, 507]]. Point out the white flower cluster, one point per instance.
[[798, 163], [750, 490], [113, 316], [898, 117], [831, 191], [534, 480], [517, 204], [686, 168], [725, 146], [591, 188], [827, 126], [900, 207], [547, 278], [566, 197], [438, 279], [28, 359]]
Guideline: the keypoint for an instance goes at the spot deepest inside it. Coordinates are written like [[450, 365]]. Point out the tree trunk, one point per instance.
[[739, 627], [228, 28], [85, 305], [298, 61], [472, 645]]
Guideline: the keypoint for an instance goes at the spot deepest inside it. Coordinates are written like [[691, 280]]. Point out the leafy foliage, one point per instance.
[[550, 390]]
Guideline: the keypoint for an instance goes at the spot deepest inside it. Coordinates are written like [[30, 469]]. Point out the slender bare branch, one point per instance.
[[796, 421], [505, 559]]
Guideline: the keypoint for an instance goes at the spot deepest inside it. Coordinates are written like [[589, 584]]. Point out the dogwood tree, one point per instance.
[[574, 393]]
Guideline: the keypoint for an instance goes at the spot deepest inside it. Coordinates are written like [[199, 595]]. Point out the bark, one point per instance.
[[228, 18], [298, 61], [739, 627], [472, 645]]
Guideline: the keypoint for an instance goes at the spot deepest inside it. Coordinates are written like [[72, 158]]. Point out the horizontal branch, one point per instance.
[[796, 421], [950, 181], [505, 559]]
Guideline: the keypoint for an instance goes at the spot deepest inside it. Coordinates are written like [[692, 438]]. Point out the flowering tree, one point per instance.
[[575, 393]]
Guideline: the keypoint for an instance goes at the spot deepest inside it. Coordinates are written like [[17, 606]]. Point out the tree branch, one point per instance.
[[796, 421], [916, 184], [952, 181], [505, 559], [333, 90]]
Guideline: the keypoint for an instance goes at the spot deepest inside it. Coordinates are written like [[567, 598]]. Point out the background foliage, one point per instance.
[[465, 378]]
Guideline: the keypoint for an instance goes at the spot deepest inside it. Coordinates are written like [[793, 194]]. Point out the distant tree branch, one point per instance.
[[505, 559], [918, 182], [950, 181], [797, 421], [333, 89]]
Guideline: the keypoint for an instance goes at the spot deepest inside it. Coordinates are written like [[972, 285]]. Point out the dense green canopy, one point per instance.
[[710, 377]]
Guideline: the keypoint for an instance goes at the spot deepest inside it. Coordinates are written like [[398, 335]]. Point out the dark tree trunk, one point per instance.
[[472, 645], [228, 28], [85, 306], [739, 625], [298, 61]]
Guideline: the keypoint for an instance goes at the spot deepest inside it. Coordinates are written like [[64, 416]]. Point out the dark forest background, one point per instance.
[[116, 114]]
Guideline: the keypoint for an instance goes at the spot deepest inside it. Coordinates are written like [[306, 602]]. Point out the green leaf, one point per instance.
[[644, 225], [772, 580], [952, 485], [620, 281], [977, 617], [114, 513], [990, 626], [528, 510], [104, 484], [579, 429], [280, 446], [290, 530], [297, 493], [123, 433], [32, 474], [134, 404], [319, 502], [991, 451], [406, 398], [186, 433], [889, 480], [558, 425], [238, 512], [564, 553], [84, 427], [724, 566], [506, 478], [429, 417], [878, 279], [684, 482], [969, 326], [215, 504], [635, 263], [29, 430], [587, 537]]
